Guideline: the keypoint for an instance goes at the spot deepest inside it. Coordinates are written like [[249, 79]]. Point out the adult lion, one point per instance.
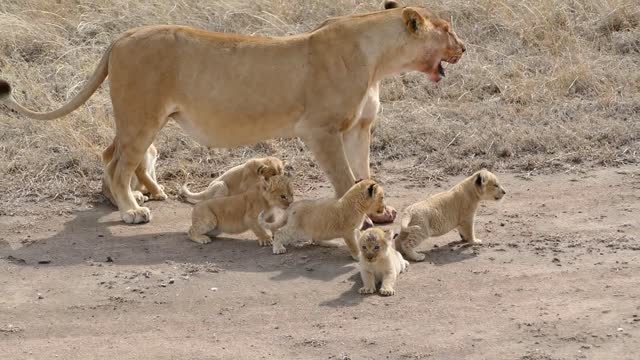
[[229, 90]]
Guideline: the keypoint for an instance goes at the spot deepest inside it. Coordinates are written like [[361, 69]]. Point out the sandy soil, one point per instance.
[[557, 278]]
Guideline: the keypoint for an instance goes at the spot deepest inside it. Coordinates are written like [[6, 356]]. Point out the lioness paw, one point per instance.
[[200, 239], [387, 291], [475, 242], [139, 197], [161, 196], [366, 290], [136, 216]]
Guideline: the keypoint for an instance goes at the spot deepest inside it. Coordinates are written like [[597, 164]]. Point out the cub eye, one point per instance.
[[364, 247], [284, 197], [377, 247]]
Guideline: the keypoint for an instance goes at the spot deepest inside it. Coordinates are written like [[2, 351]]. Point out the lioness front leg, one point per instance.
[[388, 283], [328, 149]]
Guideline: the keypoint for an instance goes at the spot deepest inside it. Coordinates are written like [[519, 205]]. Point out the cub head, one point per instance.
[[277, 191], [372, 194], [373, 242], [269, 166], [429, 40], [487, 185]]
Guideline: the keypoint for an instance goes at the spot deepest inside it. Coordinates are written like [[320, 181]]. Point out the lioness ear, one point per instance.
[[416, 24], [371, 189], [390, 4], [357, 181]]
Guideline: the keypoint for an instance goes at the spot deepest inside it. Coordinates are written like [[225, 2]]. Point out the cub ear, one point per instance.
[[416, 24], [371, 189], [390, 4], [261, 169], [480, 178], [389, 235]]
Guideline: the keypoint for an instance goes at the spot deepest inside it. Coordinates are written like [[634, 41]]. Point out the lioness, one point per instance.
[[237, 180], [445, 211], [228, 90]]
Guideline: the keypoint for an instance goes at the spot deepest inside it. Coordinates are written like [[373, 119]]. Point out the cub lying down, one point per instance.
[[144, 185], [326, 219], [236, 180], [379, 261], [239, 213], [443, 212]]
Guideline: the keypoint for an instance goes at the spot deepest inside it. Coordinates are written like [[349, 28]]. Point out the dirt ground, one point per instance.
[[556, 278]]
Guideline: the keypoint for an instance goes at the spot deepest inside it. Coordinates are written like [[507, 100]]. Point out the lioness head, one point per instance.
[[430, 41], [374, 242], [269, 166], [487, 185], [278, 191]]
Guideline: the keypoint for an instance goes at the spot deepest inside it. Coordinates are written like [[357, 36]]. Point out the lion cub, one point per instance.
[[379, 261], [443, 212], [236, 180], [239, 213], [330, 218]]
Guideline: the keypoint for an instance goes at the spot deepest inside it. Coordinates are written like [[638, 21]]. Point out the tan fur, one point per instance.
[[443, 212], [326, 219], [379, 261], [239, 213], [237, 179], [227, 90], [144, 186]]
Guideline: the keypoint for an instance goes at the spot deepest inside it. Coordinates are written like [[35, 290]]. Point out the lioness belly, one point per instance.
[[217, 131]]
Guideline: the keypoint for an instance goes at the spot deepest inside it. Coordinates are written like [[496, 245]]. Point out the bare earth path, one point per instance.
[[558, 277]]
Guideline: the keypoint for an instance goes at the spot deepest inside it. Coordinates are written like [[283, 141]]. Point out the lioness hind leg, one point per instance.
[[119, 173], [155, 192]]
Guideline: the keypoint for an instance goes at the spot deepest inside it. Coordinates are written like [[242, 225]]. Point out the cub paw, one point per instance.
[[279, 249], [387, 291], [417, 257], [366, 290], [475, 242], [136, 216], [264, 242]]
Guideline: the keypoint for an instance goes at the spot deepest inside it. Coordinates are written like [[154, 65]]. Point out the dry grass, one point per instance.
[[545, 85]]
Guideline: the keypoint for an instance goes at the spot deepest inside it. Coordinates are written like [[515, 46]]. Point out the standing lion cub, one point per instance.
[[239, 213], [327, 219], [443, 212], [237, 180], [379, 261]]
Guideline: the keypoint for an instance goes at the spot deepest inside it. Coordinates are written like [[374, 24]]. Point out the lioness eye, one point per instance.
[[284, 197]]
